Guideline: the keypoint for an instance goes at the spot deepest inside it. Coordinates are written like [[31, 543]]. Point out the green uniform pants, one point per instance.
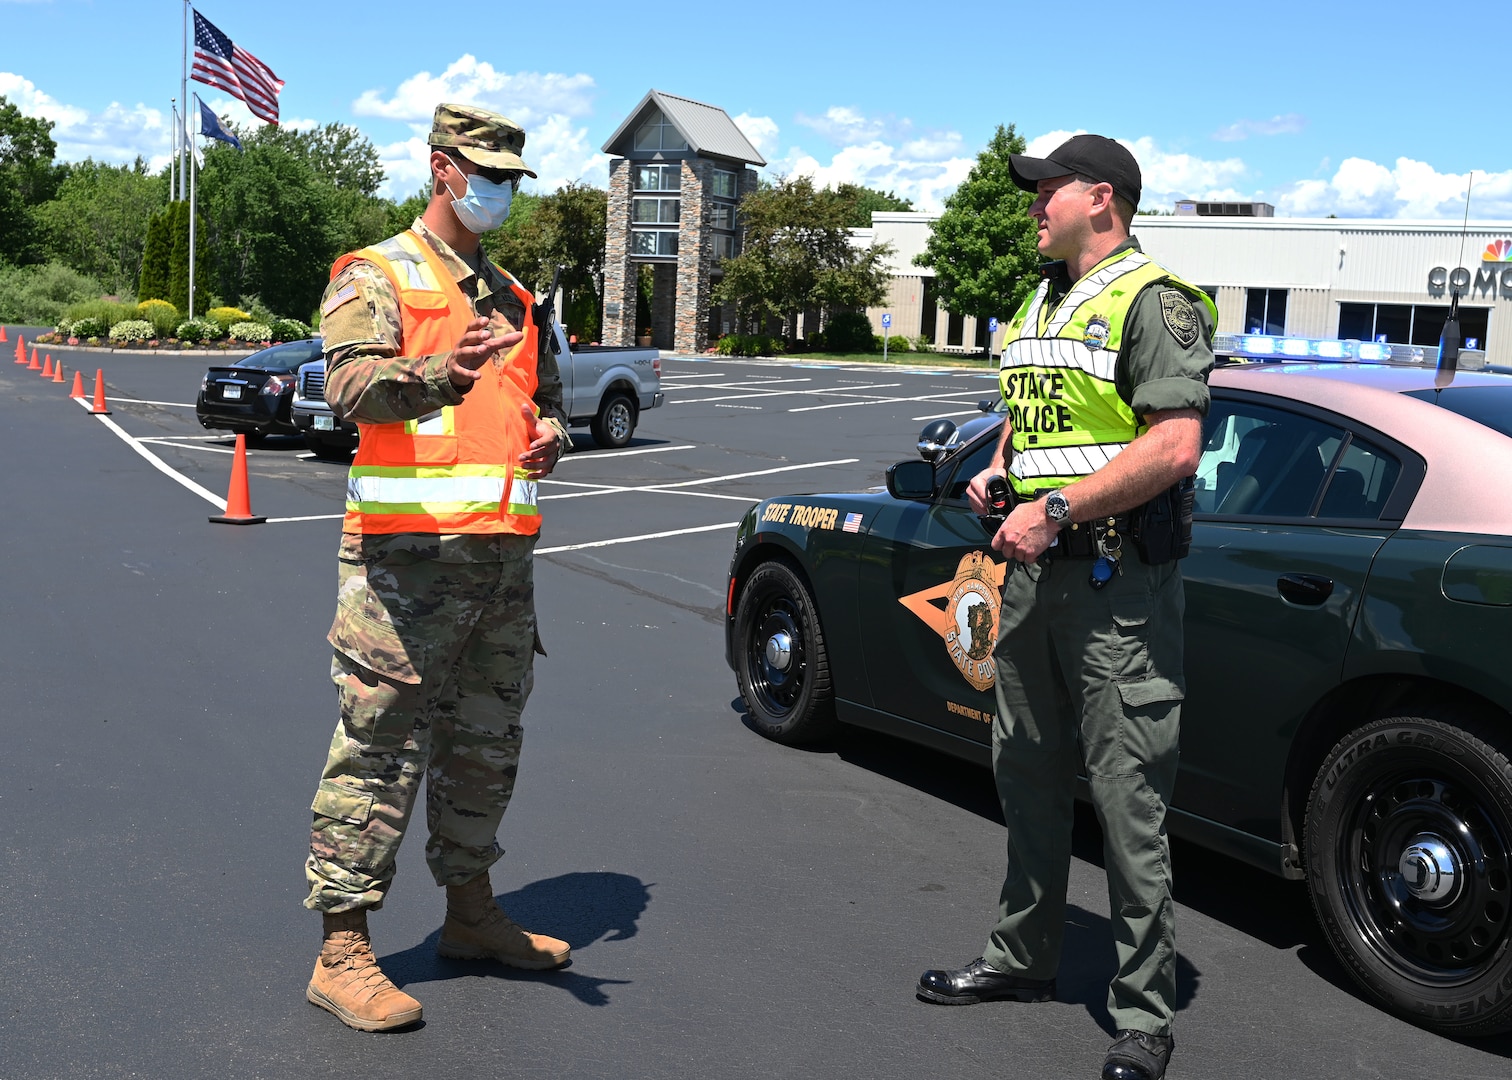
[[1090, 679], [433, 667]]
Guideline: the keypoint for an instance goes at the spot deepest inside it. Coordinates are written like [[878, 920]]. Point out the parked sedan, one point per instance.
[[253, 395], [1348, 717]]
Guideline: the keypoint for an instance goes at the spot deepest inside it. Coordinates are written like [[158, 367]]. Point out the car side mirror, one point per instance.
[[911, 480]]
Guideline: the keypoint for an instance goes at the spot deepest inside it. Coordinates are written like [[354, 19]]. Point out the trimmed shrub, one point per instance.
[[90, 326], [816, 339], [131, 330], [289, 330], [850, 332], [163, 316], [198, 331], [922, 344], [899, 343], [227, 317], [249, 331]]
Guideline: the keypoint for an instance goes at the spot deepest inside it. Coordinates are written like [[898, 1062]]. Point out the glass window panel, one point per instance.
[[666, 243], [644, 210], [647, 177], [1394, 321], [670, 210], [1357, 321], [1428, 323], [1262, 462], [642, 242], [722, 216], [723, 184], [1254, 311], [1361, 484], [1275, 311]]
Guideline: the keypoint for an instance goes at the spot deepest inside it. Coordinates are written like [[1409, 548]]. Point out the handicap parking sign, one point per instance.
[[992, 325], [887, 320]]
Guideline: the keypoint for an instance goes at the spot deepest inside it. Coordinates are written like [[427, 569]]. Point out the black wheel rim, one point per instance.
[[776, 655], [1424, 872]]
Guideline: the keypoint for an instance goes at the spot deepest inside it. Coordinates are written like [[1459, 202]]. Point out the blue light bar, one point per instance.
[[1295, 346], [1374, 350], [1331, 350], [1258, 346]]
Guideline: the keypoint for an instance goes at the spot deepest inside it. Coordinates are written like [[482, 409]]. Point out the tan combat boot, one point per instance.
[[349, 982], [477, 929]]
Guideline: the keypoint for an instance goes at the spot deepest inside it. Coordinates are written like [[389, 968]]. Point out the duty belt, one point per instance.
[[1079, 540]]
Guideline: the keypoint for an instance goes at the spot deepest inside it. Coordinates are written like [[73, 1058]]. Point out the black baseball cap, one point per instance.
[[1093, 156]]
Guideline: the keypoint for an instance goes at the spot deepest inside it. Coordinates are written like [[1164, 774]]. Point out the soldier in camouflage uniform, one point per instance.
[[435, 622]]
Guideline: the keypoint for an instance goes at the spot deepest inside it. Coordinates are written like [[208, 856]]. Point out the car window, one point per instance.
[[1488, 405], [1259, 461], [282, 357]]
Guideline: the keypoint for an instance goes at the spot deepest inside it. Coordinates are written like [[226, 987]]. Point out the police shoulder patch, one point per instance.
[[1180, 317]]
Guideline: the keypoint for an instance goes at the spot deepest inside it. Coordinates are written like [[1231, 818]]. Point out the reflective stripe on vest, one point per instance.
[[1060, 392], [452, 470]]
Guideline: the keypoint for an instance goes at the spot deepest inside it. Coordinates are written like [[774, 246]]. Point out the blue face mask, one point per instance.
[[485, 206]]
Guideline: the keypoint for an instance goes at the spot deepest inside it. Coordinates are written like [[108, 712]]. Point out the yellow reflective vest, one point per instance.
[[1057, 373]]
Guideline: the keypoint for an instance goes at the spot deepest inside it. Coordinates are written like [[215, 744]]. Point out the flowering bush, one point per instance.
[[63, 328], [196, 331], [123, 333], [250, 331], [91, 326], [227, 317], [289, 330]]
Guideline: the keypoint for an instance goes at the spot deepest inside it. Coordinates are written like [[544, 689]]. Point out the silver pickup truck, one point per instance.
[[605, 387]]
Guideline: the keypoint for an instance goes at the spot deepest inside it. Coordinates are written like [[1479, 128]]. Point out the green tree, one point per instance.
[[983, 249], [566, 229], [798, 256], [274, 224], [28, 179], [157, 255], [859, 202], [99, 220], [178, 264]]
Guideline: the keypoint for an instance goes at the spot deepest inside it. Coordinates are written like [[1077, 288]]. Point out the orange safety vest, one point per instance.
[[453, 471]]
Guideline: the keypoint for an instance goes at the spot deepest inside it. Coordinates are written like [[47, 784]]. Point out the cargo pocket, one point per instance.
[[1139, 681], [375, 645], [341, 803]]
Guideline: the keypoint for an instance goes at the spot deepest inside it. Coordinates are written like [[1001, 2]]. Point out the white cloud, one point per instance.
[[1289, 124], [527, 98], [1166, 176], [1410, 189], [761, 130], [118, 134], [843, 125]]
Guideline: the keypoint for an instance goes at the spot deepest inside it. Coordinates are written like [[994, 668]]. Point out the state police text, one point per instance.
[[1032, 398]]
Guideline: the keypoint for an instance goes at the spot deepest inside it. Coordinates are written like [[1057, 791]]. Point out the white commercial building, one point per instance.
[[1332, 278]]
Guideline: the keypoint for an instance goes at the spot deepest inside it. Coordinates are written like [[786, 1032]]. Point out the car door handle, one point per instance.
[[1308, 589]]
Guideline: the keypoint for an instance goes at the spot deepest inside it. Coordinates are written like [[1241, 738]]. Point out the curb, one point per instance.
[[107, 349]]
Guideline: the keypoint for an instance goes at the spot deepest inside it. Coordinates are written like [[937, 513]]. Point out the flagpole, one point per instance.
[[192, 214], [184, 90], [173, 161]]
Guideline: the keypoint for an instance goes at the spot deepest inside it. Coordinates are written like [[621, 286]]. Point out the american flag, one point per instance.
[[219, 63]]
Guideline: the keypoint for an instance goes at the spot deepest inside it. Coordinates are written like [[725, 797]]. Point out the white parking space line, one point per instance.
[[143, 401], [943, 399], [156, 462], [726, 405], [169, 441], [633, 539], [781, 393], [944, 415], [742, 384], [307, 517], [627, 453], [673, 488]]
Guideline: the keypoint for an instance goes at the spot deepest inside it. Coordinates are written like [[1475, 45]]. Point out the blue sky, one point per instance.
[[1380, 110]]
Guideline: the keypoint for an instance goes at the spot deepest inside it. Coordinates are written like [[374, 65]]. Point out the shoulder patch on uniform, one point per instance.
[[337, 298], [1180, 317]]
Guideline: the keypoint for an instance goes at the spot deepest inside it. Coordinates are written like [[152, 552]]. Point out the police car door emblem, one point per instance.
[[1096, 335], [1180, 318], [969, 621]]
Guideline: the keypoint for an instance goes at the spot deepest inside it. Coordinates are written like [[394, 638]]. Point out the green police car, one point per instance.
[[1348, 717]]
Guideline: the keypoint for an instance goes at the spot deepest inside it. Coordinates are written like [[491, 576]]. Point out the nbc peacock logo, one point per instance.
[[1498, 251]]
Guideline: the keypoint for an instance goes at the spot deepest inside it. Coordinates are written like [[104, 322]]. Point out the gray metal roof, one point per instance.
[[707, 128]]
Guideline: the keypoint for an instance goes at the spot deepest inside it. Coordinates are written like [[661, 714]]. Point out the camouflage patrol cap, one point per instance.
[[482, 137]]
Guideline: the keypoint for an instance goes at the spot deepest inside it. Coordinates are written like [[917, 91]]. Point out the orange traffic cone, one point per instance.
[[58, 372], [34, 366], [238, 502], [47, 367], [3, 338], [20, 349], [78, 386], [99, 408]]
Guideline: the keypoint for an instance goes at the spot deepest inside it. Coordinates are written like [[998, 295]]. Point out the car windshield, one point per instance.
[[1488, 405], [286, 357]]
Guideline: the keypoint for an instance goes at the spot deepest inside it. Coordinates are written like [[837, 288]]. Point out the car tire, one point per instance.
[[781, 666], [1408, 850], [615, 422]]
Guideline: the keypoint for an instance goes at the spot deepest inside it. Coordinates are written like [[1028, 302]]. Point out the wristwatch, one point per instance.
[[1057, 509]]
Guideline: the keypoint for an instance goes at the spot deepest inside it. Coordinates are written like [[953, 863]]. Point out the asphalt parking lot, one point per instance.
[[737, 908]]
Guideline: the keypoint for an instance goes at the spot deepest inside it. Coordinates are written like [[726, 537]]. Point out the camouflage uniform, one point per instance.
[[433, 634]]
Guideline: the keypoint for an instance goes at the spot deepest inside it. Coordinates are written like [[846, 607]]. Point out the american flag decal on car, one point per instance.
[[852, 523]]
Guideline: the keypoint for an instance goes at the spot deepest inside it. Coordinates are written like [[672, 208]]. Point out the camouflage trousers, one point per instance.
[[432, 664]]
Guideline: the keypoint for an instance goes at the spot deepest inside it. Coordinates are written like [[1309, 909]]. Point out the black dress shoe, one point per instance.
[[1138, 1055], [978, 981]]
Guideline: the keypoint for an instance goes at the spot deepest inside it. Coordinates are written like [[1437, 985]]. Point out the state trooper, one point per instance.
[[433, 351], [1104, 376]]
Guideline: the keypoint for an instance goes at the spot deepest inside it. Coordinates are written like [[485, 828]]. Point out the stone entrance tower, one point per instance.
[[680, 168]]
